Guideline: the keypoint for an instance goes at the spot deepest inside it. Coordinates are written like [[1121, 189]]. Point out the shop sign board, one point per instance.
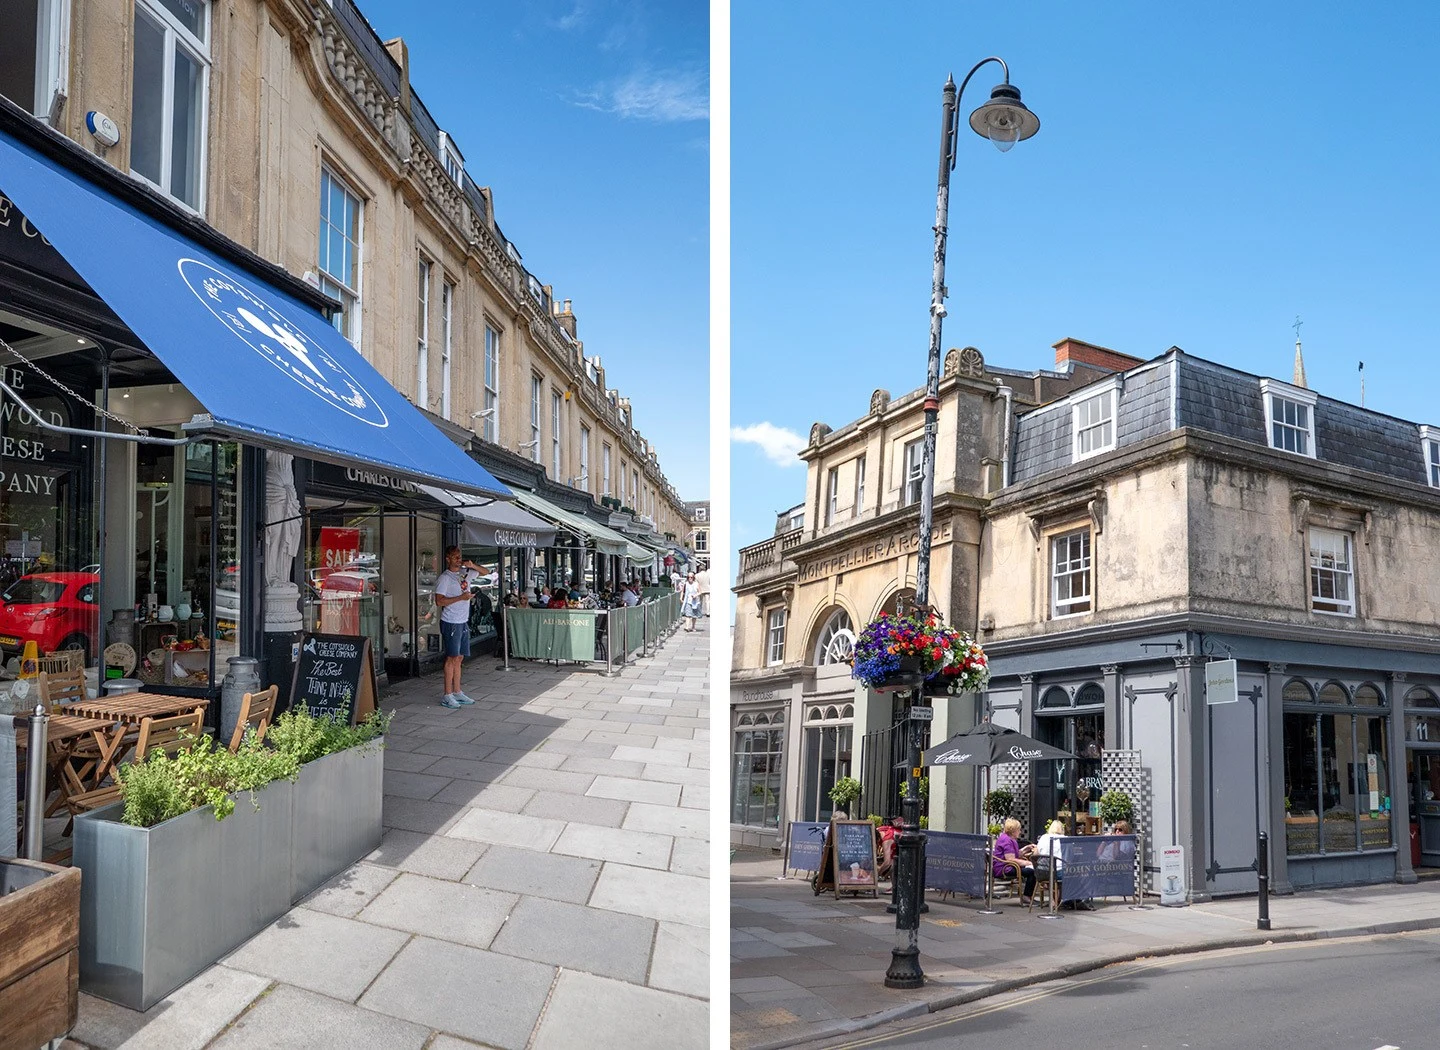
[[955, 862], [806, 838], [854, 853], [1221, 686], [335, 675], [338, 548], [1172, 875]]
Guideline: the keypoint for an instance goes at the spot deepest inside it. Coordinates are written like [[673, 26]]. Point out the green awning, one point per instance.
[[605, 541]]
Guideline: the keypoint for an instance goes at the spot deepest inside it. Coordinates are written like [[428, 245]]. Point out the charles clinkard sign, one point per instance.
[[897, 543]]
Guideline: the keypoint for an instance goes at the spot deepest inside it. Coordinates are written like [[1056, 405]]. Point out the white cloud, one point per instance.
[[663, 97], [575, 19], [780, 446]]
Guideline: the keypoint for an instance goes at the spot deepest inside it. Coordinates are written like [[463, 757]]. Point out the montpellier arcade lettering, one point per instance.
[[894, 544]]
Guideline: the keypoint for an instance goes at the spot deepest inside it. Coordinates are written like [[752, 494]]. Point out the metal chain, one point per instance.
[[79, 397]]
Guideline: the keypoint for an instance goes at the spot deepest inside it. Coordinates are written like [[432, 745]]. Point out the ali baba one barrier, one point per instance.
[[613, 637]]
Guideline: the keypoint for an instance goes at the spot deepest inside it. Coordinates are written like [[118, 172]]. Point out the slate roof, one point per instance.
[[1223, 400]]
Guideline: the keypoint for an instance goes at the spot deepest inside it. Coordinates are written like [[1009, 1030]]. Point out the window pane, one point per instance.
[[189, 13], [1302, 785], [188, 134], [147, 107]]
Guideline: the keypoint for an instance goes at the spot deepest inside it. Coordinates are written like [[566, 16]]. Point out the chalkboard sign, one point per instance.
[[804, 842], [854, 853], [335, 675]]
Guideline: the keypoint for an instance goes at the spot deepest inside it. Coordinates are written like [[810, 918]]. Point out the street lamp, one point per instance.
[[1004, 120]]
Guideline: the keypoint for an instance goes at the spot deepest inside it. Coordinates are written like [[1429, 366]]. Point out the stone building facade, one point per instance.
[[295, 131], [798, 720]]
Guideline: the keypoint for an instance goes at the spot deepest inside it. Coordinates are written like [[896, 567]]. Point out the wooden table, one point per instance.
[[65, 734], [133, 708]]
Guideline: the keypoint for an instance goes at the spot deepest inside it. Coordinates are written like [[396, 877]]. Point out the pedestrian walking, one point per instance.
[[690, 601], [452, 595], [702, 579]]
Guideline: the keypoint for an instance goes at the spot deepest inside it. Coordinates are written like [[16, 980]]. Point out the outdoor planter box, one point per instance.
[[39, 953], [158, 905], [337, 815]]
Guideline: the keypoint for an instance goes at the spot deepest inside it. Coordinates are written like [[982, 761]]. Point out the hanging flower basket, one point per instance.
[[904, 652]]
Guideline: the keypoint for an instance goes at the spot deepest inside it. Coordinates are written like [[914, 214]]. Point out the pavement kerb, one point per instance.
[[985, 991]]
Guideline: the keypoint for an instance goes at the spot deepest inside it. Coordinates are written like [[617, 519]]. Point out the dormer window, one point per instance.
[[1289, 417], [1093, 422], [1430, 449], [451, 158]]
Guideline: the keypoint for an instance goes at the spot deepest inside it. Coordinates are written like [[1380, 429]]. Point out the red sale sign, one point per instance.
[[338, 548]]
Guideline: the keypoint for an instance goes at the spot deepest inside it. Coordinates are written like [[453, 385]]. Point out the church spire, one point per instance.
[[1299, 360]]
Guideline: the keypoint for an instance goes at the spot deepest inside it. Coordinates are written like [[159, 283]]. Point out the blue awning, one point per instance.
[[268, 369]]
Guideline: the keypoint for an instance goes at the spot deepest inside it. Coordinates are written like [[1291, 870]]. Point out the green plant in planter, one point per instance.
[[163, 786], [1115, 805], [307, 737], [876, 819], [999, 803], [845, 791], [995, 829], [924, 788]]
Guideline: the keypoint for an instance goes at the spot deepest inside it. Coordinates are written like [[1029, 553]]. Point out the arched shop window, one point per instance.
[[836, 640], [1090, 695], [825, 757], [758, 759], [1337, 773], [1055, 697], [1422, 726]]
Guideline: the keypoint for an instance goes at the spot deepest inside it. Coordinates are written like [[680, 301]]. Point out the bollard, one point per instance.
[[1262, 865], [35, 784]]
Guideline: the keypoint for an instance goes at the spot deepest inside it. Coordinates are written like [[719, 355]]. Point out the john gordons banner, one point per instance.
[[1098, 866], [881, 548], [551, 634]]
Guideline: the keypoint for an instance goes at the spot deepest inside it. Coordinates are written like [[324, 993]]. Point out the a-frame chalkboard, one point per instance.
[[336, 675], [847, 862]]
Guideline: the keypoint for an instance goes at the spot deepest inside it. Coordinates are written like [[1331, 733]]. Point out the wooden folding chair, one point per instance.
[[62, 660], [62, 687], [256, 711], [170, 735]]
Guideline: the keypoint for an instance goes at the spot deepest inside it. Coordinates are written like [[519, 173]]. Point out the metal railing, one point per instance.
[[620, 635]]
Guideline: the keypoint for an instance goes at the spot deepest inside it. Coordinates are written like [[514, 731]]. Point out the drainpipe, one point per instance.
[[1009, 396]]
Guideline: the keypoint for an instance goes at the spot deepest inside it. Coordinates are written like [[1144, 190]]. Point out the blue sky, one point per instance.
[[589, 121], [1203, 173]]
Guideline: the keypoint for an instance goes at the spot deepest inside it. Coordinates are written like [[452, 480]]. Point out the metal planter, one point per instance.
[[337, 804], [159, 905]]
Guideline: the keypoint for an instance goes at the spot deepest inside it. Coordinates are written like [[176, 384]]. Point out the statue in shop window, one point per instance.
[[282, 543]]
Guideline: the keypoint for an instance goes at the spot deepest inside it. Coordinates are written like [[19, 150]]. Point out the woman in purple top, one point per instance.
[[1007, 847]]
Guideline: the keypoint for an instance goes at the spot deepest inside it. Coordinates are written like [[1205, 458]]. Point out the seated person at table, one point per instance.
[[1049, 848], [889, 832], [1007, 848]]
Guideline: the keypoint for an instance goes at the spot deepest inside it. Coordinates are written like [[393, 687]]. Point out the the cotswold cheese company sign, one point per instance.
[[897, 543], [24, 444]]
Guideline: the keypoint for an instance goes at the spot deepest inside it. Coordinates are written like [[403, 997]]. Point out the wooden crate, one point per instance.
[[40, 964]]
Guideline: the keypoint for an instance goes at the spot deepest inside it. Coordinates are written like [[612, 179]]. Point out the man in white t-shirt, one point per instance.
[[452, 595], [628, 595]]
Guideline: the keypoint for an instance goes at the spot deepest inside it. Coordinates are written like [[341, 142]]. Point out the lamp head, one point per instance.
[[1004, 120]]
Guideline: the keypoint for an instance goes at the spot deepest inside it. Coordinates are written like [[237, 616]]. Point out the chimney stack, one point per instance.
[[1070, 352]]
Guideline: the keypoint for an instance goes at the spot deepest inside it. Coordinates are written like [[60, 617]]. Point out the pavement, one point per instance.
[[542, 882], [807, 969]]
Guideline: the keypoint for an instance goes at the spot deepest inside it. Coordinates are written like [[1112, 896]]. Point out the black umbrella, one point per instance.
[[990, 745]]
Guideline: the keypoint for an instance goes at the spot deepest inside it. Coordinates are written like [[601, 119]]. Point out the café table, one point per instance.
[[65, 734], [125, 713]]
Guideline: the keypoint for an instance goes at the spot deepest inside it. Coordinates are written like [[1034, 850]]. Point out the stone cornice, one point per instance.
[[818, 546]]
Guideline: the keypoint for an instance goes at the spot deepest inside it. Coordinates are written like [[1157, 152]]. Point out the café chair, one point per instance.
[[61, 687], [256, 710], [1012, 882], [1042, 885], [171, 735]]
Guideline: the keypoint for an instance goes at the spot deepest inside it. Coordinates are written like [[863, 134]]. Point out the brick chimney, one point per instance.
[[1070, 352], [566, 319]]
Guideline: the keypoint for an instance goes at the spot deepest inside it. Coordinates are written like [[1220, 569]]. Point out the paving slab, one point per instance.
[[579, 938], [335, 956], [186, 1019], [538, 874], [293, 1019], [655, 894], [584, 1005], [438, 856], [450, 911], [351, 890], [507, 829], [492, 999]]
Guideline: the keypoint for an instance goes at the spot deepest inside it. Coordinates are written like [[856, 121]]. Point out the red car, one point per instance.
[[55, 610]]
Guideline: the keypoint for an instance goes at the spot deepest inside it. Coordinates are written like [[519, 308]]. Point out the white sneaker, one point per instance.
[[449, 700], [463, 698]]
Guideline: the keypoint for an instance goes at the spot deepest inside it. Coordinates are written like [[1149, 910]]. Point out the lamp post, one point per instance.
[[1004, 120]]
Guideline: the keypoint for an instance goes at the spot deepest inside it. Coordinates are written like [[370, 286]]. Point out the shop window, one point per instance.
[[1070, 580], [1332, 572], [826, 758], [345, 585], [169, 85], [1422, 717], [1337, 783], [341, 229], [1055, 696], [758, 758], [485, 590]]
